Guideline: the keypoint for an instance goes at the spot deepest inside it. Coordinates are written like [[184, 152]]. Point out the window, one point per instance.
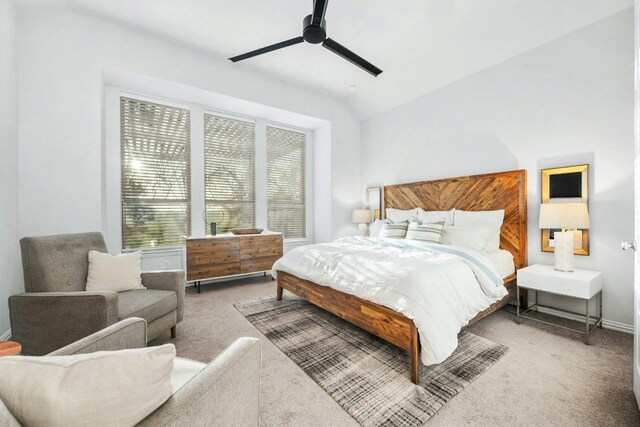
[[155, 174], [230, 199], [286, 182]]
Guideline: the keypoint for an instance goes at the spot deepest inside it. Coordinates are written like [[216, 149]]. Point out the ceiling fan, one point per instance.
[[314, 31]]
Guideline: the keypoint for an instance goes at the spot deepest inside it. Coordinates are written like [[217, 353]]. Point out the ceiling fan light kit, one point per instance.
[[314, 31]]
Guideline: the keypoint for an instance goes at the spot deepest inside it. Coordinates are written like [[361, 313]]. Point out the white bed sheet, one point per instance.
[[503, 261], [440, 287]]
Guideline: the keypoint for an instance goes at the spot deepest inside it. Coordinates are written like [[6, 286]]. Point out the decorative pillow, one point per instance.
[[399, 215], [425, 232], [486, 218], [471, 237], [393, 230], [117, 273], [436, 216], [376, 227], [109, 388]]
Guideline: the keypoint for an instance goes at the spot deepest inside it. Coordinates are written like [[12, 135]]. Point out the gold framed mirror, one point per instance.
[[566, 185], [374, 202]]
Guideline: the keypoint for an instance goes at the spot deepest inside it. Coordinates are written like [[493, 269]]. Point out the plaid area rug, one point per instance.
[[368, 377]]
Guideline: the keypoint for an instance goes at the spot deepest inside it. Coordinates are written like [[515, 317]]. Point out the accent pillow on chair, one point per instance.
[[118, 273], [107, 388]]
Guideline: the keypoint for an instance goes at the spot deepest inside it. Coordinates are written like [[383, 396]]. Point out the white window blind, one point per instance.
[[286, 182], [155, 174], [230, 199]]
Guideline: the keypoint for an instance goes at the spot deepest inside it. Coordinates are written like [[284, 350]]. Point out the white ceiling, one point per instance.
[[421, 45]]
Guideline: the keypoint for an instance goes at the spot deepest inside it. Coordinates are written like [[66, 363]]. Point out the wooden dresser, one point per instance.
[[223, 255]]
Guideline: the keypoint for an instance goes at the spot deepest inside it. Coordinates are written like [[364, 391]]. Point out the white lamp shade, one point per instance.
[[564, 215], [361, 216]]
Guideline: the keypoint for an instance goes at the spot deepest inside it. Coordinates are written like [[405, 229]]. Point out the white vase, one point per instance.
[[563, 248]]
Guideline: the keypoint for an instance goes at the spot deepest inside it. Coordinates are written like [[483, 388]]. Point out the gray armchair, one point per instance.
[[55, 309], [225, 392]]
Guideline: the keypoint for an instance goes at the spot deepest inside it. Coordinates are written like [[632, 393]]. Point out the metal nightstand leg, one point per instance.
[[600, 300], [518, 320], [586, 337]]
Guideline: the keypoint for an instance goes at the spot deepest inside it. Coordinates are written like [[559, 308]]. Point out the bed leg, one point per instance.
[[415, 355], [279, 290]]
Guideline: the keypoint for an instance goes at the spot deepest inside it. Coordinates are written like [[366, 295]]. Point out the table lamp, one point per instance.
[[568, 217], [362, 217]]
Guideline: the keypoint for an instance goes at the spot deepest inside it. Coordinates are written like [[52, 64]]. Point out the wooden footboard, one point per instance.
[[391, 326], [383, 322]]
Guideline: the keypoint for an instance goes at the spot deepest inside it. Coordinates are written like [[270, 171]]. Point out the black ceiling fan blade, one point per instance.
[[266, 49], [319, 9], [342, 51]]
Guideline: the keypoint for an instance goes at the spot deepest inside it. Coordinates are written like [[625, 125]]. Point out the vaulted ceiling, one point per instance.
[[421, 45]]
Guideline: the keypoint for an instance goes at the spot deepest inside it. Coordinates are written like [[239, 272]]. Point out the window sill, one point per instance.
[[153, 251]]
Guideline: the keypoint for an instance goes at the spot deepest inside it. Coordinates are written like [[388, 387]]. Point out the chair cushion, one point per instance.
[[148, 304], [182, 372]]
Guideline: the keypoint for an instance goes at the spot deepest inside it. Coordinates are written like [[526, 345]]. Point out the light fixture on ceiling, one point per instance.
[[352, 88], [314, 31]]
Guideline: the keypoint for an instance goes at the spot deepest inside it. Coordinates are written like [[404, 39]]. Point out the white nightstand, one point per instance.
[[582, 284]]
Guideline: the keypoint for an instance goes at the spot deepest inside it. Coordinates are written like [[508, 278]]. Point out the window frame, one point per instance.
[[255, 160], [111, 168], [306, 173]]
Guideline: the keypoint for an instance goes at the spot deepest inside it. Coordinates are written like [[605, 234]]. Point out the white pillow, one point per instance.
[[474, 237], [399, 215], [436, 216], [375, 228], [488, 218], [117, 273], [107, 388]]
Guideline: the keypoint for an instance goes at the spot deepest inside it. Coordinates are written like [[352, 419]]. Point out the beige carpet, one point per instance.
[[548, 377]]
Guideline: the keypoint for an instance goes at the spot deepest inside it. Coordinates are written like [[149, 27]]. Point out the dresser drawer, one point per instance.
[[209, 271], [257, 264]]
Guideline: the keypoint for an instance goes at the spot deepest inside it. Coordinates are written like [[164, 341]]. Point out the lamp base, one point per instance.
[[563, 250], [364, 229]]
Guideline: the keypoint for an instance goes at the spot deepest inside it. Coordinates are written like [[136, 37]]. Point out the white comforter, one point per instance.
[[440, 287]]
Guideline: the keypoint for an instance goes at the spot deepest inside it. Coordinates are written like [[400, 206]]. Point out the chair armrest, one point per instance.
[[46, 321], [167, 280], [126, 334], [226, 392]]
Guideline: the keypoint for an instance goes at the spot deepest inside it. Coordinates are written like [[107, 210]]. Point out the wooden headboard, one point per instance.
[[491, 191]]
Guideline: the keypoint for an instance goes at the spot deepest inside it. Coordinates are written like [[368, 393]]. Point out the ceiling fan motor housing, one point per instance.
[[314, 34]]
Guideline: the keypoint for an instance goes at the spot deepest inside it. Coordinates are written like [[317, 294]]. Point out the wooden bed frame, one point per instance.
[[502, 190]]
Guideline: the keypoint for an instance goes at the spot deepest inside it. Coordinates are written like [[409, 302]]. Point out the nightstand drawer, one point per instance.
[[579, 283]]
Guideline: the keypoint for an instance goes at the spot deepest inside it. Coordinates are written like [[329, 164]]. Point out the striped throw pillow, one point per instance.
[[425, 232], [394, 230]]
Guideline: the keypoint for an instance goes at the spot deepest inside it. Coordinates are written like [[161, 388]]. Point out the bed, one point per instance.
[[396, 321]]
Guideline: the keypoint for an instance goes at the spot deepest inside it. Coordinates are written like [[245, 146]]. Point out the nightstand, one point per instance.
[[580, 284]]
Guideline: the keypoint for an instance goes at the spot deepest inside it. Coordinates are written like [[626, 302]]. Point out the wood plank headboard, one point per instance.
[[491, 191]]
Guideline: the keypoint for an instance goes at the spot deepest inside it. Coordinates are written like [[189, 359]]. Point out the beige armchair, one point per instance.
[[55, 309], [225, 392]]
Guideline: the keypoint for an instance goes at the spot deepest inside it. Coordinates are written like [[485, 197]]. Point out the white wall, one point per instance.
[[63, 59], [11, 282], [565, 103]]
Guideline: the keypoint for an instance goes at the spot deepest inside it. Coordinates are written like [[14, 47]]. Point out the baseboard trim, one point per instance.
[[5, 336], [607, 324]]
